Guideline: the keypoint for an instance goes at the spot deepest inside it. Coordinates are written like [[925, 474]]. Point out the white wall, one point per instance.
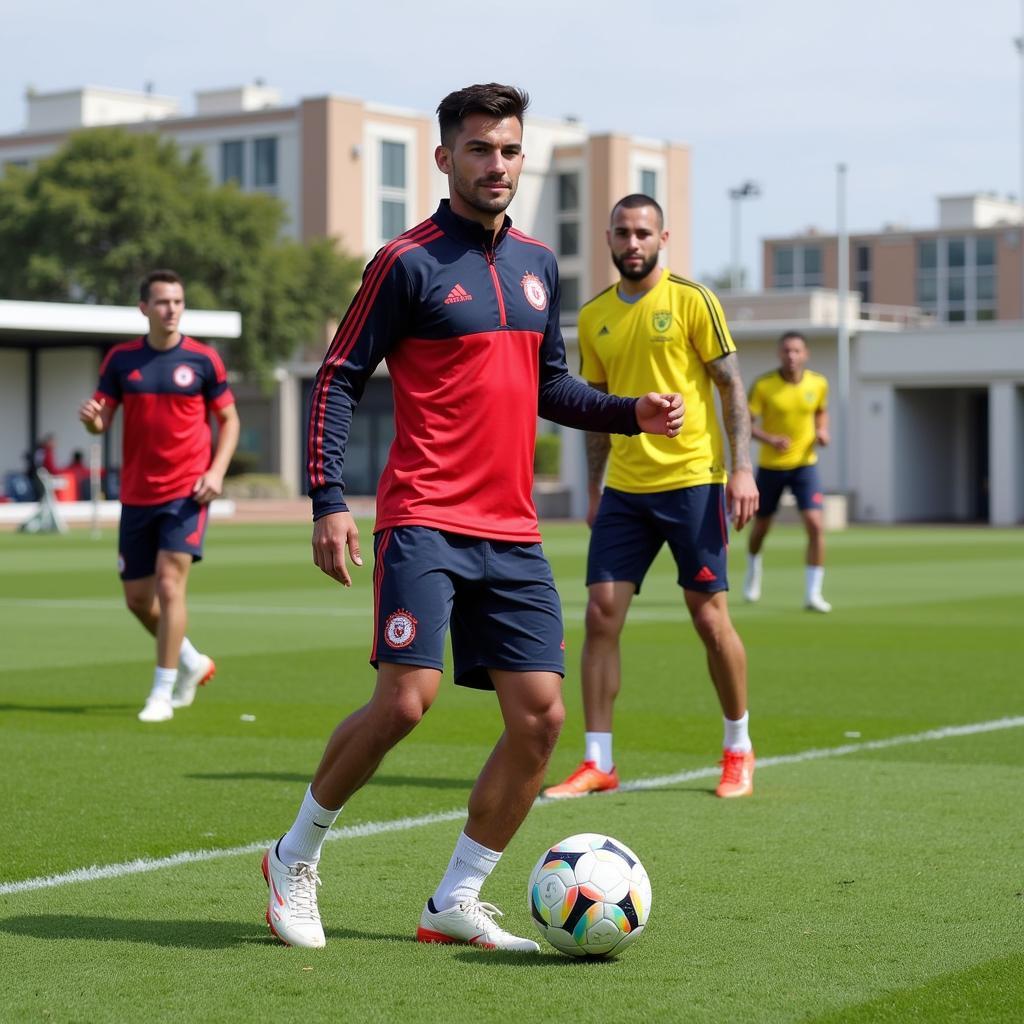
[[66, 377], [14, 439]]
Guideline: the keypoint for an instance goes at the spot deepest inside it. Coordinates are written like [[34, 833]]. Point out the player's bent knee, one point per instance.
[[602, 620]]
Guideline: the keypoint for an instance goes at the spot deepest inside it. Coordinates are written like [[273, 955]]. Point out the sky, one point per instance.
[[918, 98]]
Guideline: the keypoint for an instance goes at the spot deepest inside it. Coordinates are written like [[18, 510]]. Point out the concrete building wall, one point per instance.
[[14, 411], [67, 376]]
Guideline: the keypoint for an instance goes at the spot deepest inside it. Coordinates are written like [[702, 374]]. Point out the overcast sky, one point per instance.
[[918, 97]]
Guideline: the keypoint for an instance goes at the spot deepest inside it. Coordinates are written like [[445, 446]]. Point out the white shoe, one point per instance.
[[752, 583], [157, 709], [816, 603], [471, 923], [185, 684], [292, 912]]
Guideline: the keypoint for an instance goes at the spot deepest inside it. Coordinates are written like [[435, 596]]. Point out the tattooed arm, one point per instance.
[[598, 447], [741, 491]]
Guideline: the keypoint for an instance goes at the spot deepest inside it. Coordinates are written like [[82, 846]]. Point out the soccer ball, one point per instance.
[[590, 896]]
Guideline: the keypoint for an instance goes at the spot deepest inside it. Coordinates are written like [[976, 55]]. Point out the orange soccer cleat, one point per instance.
[[737, 774], [588, 778]]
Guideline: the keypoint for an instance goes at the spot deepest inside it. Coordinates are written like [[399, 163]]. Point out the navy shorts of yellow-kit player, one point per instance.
[[803, 481], [498, 597], [177, 525], [630, 529]]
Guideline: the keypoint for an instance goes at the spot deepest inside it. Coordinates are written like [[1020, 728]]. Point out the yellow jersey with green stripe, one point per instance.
[[789, 409], [660, 343]]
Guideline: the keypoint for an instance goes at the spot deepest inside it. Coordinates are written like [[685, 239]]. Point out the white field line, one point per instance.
[[375, 828]]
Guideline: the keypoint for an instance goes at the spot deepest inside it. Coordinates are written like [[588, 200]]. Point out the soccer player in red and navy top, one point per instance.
[[464, 308], [168, 385]]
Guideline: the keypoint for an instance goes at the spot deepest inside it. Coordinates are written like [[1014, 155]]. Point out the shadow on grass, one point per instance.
[[378, 780], [68, 709], [182, 934], [496, 958]]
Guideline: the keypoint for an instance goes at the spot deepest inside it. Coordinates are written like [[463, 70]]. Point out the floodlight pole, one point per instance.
[[748, 190], [843, 332], [1019, 42]]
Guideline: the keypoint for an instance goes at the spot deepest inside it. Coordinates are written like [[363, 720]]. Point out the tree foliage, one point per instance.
[[87, 223]]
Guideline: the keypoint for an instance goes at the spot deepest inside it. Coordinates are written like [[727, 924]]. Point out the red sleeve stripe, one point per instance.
[[348, 333], [520, 237], [125, 346]]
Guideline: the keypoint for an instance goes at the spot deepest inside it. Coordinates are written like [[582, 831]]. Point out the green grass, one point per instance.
[[881, 885]]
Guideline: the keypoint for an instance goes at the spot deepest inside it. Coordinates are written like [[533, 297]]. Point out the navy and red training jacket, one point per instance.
[[167, 396], [468, 323]]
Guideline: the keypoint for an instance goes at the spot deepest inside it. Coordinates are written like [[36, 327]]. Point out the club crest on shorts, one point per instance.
[[662, 320], [183, 375], [120, 563], [400, 629], [535, 292]]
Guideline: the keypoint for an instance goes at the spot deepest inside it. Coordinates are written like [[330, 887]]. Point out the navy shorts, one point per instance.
[[630, 529], [499, 599], [802, 481], [178, 525]]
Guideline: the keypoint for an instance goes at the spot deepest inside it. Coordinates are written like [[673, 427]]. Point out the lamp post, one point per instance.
[[1019, 42], [748, 190], [843, 332]]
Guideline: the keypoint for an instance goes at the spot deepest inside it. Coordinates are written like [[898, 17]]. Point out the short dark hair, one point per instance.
[[637, 199], [497, 101], [154, 276], [786, 335]]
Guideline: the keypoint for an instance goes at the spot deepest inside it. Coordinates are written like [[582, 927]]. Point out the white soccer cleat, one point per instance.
[[292, 912], [752, 583], [157, 709], [472, 924], [816, 603], [185, 684]]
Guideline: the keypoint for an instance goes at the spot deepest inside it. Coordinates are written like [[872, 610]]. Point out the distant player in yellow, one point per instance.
[[653, 326], [792, 404]]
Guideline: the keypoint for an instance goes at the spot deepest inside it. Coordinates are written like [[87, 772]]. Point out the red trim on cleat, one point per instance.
[[426, 935]]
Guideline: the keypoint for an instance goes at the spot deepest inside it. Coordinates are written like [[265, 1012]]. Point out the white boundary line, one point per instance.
[[375, 828]]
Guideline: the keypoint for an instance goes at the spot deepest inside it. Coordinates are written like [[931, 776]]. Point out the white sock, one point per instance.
[[736, 736], [188, 656], [753, 564], [815, 575], [598, 747], [467, 871], [302, 842], [163, 682]]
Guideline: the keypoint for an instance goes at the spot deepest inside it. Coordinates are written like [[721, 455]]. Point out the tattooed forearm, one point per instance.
[[598, 447], [725, 372]]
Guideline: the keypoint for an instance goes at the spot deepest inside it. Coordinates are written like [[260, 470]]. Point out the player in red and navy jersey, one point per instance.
[[464, 308], [168, 385]]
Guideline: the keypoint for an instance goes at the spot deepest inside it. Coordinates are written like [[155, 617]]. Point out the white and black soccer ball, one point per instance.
[[590, 896]]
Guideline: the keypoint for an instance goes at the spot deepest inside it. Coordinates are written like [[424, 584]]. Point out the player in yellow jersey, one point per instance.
[[792, 403], [653, 326]]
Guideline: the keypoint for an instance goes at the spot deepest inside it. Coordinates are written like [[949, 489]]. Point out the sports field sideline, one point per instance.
[[875, 875]]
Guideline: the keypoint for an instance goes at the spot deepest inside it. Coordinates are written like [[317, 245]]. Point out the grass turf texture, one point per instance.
[[877, 886]]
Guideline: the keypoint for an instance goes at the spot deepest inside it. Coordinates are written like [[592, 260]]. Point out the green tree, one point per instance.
[[87, 223]]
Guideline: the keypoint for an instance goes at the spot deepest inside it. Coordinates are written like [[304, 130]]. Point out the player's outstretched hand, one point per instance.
[[332, 534], [660, 414], [90, 412], [209, 486], [741, 497]]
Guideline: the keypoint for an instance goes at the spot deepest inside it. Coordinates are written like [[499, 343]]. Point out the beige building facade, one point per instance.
[[965, 270]]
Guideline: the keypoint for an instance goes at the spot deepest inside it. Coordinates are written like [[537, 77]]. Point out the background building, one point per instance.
[[967, 269]]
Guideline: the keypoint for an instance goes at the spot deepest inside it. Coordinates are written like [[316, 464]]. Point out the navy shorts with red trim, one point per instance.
[[803, 481], [178, 525], [630, 529], [498, 598]]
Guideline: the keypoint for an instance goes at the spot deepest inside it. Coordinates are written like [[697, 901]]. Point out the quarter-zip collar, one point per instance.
[[469, 231]]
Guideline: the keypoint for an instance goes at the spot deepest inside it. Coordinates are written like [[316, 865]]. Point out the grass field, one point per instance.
[[874, 881]]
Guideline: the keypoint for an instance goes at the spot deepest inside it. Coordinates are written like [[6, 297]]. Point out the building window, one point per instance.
[[570, 287], [862, 272], [649, 183], [812, 277], [569, 238], [392, 218], [568, 192], [393, 182], [232, 162], [264, 163], [392, 164], [957, 278]]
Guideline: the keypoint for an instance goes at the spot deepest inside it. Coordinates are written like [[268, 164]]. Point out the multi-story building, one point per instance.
[[968, 269], [362, 173]]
